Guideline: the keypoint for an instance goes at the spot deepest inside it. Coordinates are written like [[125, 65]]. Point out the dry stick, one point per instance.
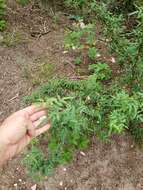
[[78, 77], [16, 96], [71, 64]]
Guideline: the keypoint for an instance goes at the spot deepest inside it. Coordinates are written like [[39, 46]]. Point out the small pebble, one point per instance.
[[98, 55], [15, 185], [64, 52], [113, 60], [46, 177], [20, 180], [61, 183], [64, 169], [107, 40]]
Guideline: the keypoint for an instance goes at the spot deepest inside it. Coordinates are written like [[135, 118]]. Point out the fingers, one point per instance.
[[42, 130], [36, 116], [33, 109], [36, 112], [30, 129]]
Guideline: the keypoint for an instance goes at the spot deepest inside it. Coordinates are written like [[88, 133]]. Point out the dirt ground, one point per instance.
[[113, 166]]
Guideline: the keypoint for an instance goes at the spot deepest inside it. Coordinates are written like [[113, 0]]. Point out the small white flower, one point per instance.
[[82, 25], [88, 98]]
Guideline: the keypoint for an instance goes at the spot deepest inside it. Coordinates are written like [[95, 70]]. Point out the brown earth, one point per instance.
[[114, 166]]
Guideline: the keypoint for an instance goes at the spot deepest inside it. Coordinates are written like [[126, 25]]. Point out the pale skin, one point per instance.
[[18, 130]]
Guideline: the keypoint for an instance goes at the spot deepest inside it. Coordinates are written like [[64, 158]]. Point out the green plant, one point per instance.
[[77, 61], [75, 3], [101, 104], [79, 109], [101, 70], [23, 2], [80, 36], [34, 160], [82, 39], [128, 47], [43, 72], [13, 39], [92, 53], [2, 13]]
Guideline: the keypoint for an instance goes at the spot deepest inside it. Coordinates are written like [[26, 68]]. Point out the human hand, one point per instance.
[[18, 130]]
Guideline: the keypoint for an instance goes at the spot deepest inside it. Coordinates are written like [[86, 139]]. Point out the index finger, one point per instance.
[[34, 108]]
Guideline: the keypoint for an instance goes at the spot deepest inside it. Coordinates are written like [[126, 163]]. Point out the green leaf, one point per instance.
[[92, 53]]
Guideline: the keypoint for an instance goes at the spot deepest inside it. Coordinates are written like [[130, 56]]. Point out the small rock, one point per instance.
[[1, 113], [34, 187], [61, 183], [113, 60], [15, 185], [20, 180]]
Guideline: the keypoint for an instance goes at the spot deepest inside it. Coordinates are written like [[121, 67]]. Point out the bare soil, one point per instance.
[[104, 166], [112, 166]]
